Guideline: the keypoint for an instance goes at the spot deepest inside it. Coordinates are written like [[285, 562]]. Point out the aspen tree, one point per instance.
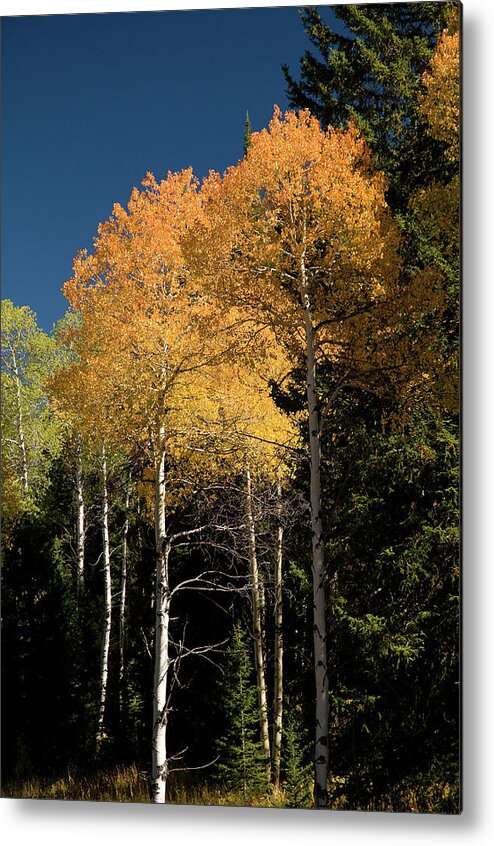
[[123, 600], [80, 522], [439, 103], [299, 232], [105, 647], [30, 434], [262, 435], [257, 627], [75, 397], [148, 366], [155, 347], [436, 207], [278, 640]]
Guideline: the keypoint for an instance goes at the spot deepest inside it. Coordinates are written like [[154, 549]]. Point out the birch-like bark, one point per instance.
[[159, 765], [278, 643], [257, 628], [79, 525], [20, 428], [105, 651], [321, 752], [121, 608]]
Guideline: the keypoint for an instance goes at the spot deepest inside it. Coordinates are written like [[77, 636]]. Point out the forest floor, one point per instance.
[[128, 784]]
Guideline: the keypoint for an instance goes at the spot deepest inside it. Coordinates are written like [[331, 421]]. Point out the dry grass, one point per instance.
[[120, 784], [128, 784]]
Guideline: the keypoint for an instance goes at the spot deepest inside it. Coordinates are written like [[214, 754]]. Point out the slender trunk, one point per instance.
[[108, 600], [79, 525], [159, 769], [121, 610], [321, 758], [257, 628], [20, 429], [278, 643]]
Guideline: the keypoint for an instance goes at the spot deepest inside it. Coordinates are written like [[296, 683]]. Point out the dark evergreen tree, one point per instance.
[[241, 764], [297, 765], [392, 533], [370, 69], [392, 549], [247, 133]]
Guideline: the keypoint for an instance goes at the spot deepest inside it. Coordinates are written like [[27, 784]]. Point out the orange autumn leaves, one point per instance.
[[190, 301], [303, 196], [152, 348], [437, 205], [301, 193], [134, 315], [440, 103]]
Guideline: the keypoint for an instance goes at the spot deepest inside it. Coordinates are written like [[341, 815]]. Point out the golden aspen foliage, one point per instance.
[[440, 103], [436, 207], [252, 430], [302, 194], [137, 316], [153, 347]]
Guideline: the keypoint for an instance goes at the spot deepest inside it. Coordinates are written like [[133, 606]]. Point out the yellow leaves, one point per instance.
[[251, 428], [155, 346], [438, 206], [136, 317], [301, 195], [440, 104], [192, 300]]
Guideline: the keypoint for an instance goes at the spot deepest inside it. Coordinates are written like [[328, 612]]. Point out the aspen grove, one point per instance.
[[235, 462]]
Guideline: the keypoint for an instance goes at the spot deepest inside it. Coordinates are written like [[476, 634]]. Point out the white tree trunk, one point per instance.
[[278, 643], [257, 629], [159, 768], [105, 651], [20, 429], [121, 609], [321, 755], [79, 525]]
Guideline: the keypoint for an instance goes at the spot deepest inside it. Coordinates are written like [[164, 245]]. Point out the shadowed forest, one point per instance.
[[230, 531]]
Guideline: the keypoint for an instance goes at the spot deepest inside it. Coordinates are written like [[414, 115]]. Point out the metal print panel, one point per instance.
[[230, 531]]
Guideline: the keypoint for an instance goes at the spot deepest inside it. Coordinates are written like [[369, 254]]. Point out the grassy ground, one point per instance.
[[128, 784]]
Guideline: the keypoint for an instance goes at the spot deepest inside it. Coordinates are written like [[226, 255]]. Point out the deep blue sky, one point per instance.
[[92, 102]]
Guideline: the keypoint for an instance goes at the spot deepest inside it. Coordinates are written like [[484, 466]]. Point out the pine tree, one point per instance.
[[296, 764], [396, 73], [241, 765], [247, 133], [373, 75]]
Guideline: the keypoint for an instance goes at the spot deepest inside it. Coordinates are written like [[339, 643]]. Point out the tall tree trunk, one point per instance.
[[159, 769], [257, 628], [121, 609], [321, 756], [20, 429], [278, 643], [79, 525], [105, 651]]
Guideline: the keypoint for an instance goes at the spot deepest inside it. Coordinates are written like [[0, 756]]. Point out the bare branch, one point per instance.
[[188, 769], [329, 403], [146, 644]]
